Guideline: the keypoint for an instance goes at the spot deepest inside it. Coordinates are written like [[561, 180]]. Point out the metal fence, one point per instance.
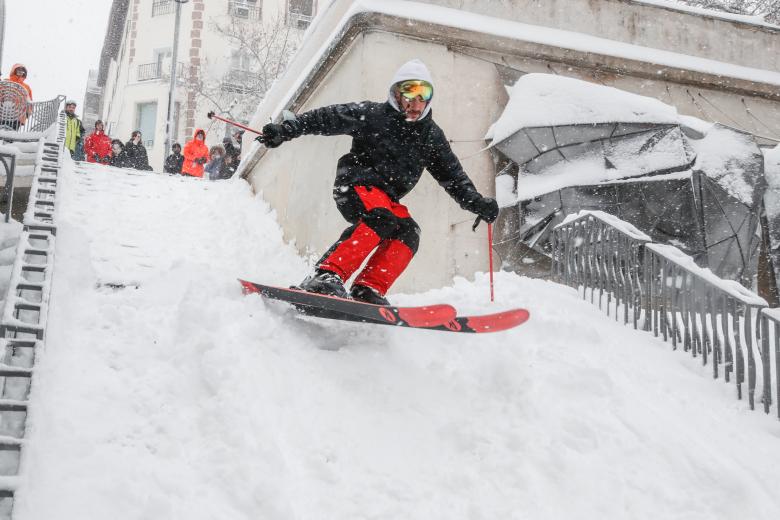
[[17, 113], [660, 289], [161, 7]]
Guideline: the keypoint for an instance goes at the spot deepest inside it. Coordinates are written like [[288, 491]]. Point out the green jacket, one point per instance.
[[73, 132]]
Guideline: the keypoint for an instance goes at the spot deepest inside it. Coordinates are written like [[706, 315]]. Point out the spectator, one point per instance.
[[229, 167], [18, 75], [214, 166], [196, 154], [136, 152], [119, 156], [97, 145], [233, 147], [74, 130], [174, 161]]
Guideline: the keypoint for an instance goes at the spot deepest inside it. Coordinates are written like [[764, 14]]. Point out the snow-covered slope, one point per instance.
[[179, 398]]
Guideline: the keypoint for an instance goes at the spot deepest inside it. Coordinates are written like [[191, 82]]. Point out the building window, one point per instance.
[[161, 7], [146, 122], [240, 78], [300, 13], [248, 9]]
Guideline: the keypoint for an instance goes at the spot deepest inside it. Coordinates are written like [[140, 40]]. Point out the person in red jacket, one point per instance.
[[97, 145], [196, 154]]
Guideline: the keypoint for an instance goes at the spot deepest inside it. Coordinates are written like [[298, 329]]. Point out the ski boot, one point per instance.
[[324, 282], [366, 294]]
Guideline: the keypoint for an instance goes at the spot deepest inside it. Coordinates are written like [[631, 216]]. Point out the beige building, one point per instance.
[[716, 67], [214, 71]]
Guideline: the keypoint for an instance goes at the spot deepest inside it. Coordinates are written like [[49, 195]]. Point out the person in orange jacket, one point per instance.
[[97, 145], [18, 75], [196, 154]]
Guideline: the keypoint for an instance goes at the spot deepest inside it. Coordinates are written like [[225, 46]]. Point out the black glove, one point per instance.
[[201, 160], [96, 157], [486, 208], [107, 158], [274, 135]]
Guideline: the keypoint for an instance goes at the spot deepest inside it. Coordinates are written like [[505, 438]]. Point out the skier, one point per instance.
[[391, 144], [196, 154], [97, 145]]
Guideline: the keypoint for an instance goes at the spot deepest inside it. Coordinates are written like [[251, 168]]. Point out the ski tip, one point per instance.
[[248, 287], [499, 321]]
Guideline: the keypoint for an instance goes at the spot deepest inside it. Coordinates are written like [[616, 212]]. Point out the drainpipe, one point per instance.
[[169, 123]]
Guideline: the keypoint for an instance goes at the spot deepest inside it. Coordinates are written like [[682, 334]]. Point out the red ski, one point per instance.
[[431, 317], [333, 307]]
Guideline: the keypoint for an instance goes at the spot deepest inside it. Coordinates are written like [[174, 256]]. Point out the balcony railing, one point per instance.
[[244, 10], [161, 7], [241, 82], [299, 20], [156, 71]]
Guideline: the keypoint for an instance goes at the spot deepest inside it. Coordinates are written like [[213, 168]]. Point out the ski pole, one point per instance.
[[212, 115], [490, 252], [490, 256]]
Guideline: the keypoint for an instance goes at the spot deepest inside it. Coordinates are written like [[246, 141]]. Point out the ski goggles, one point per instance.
[[413, 88]]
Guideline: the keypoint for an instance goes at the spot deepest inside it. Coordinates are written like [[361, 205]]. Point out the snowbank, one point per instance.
[[177, 397]]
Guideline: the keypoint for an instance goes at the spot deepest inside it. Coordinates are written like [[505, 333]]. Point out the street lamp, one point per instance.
[[172, 89]]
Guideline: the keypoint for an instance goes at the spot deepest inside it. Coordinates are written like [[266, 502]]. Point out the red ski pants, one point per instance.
[[378, 224]]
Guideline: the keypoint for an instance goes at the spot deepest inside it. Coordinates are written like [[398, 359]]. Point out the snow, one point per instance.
[[549, 100], [9, 237], [772, 174], [177, 397], [729, 286], [722, 155], [711, 13], [612, 220]]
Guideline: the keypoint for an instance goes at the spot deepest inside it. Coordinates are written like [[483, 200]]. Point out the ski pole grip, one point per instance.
[[210, 114], [476, 223]]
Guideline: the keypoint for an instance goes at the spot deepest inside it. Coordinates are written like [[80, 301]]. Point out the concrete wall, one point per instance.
[[717, 37], [297, 178], [363, 54]]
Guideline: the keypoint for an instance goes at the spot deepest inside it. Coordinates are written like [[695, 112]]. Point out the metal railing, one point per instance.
[[17, 113], [245, 10], [240, 81], [161, 7], [158, 70], [299, 20], [660, 289], [8, 160]]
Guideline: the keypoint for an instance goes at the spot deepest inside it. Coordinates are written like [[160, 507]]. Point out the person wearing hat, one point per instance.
[[74, 130], [392, 143], [19, 75]]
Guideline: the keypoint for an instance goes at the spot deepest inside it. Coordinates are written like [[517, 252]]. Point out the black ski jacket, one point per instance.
[[387, 151], [138, 157], [173, 163]]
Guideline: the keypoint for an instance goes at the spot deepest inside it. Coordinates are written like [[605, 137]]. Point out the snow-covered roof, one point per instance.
[[701, 11], [548, 100]]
